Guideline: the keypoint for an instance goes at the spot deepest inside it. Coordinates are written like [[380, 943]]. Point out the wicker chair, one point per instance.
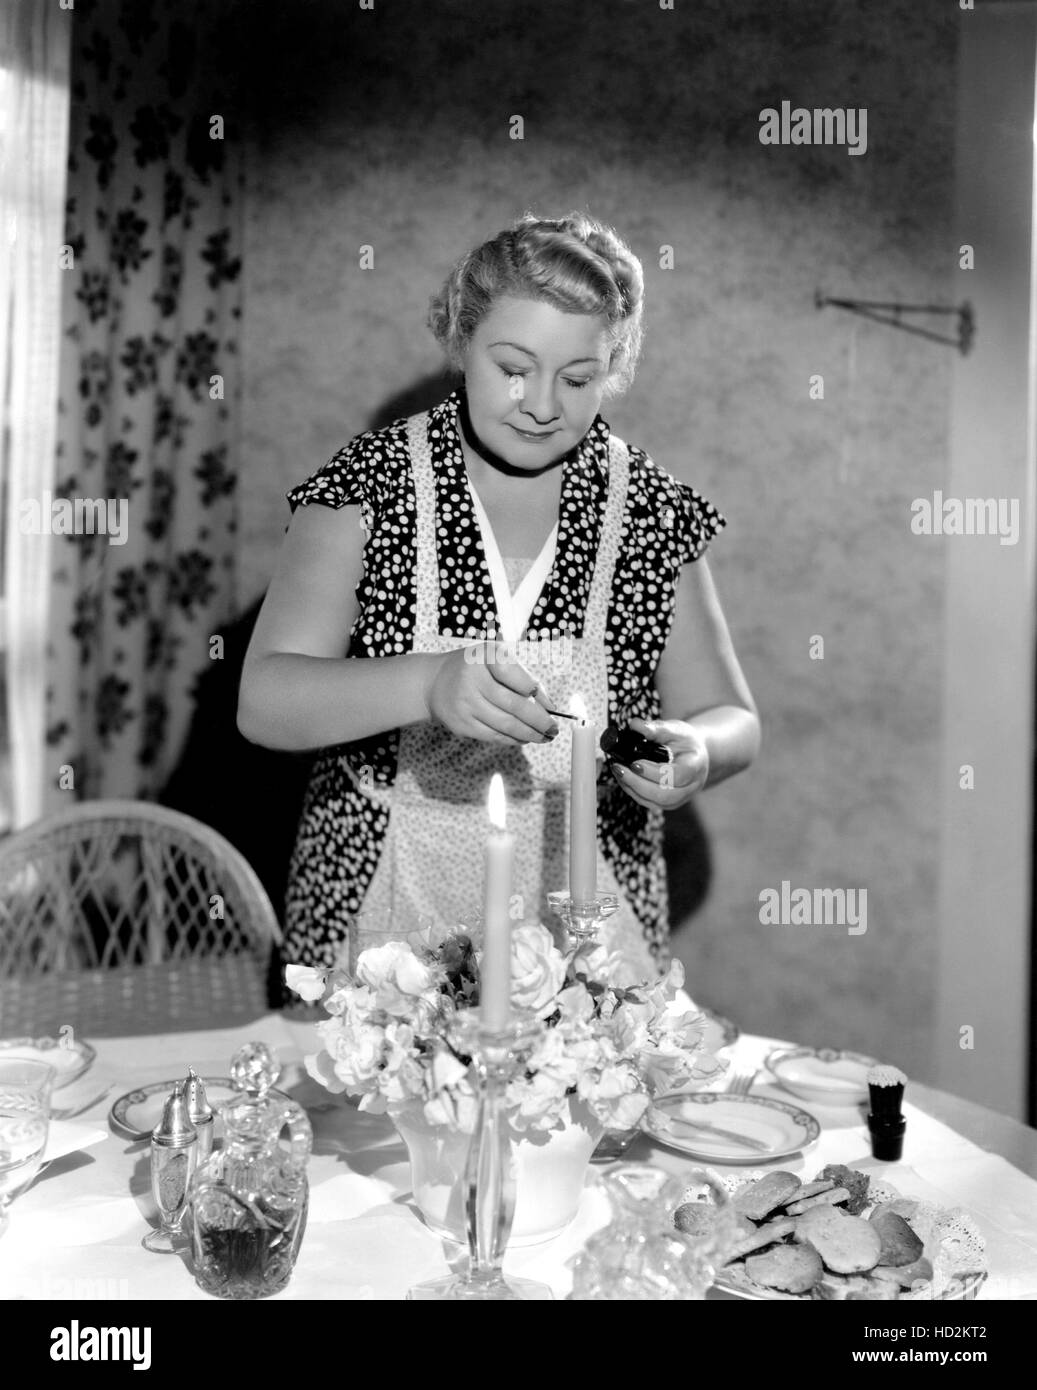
[[121, 917]]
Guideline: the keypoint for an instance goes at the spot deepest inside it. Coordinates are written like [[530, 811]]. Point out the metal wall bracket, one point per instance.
[[892, 315]]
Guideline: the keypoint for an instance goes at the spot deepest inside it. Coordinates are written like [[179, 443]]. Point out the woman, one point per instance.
[[508, 511]]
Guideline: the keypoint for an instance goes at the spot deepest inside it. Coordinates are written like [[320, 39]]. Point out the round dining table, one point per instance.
[[76, 1232]]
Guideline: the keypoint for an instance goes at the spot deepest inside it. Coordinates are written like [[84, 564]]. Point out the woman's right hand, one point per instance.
[[480, 692]]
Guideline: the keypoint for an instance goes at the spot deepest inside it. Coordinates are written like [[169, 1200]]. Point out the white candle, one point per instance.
[[495, 989], [583, 808]]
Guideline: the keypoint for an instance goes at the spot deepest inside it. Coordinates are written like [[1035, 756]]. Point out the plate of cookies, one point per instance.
[[844, 1236]]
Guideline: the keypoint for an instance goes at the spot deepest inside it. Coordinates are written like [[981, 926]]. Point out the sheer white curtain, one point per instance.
[[34, 111]]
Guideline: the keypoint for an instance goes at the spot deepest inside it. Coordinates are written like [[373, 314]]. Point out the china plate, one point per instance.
[[137, 1113], [70, 1058], [822, 1075], [785, 1129]]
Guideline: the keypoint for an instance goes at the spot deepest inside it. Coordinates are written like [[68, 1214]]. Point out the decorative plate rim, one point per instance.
[[117, 1114], [807, 1122], [87, 1054], [778, 1055], [745, 1288]]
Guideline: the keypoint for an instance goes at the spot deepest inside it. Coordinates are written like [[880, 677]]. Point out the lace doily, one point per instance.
[[951, 1241]]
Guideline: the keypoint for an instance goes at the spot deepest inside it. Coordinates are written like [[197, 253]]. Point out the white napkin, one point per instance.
[[69, 1136]]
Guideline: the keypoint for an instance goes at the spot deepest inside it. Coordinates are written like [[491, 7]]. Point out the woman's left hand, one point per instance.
[[666, 784]]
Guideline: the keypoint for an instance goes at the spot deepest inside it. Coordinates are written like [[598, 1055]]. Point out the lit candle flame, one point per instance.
[[578, 708], [496, 803]]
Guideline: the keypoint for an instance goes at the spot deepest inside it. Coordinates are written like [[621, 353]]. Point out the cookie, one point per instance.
[[855, 1182], [829, 1198], [906, 1276], [763, 1235], [788, 1268], [854, 1288], [903, 1206], [900, 1245], [811, 1189], [695, 1218], [764, 1195], [846, 1244]]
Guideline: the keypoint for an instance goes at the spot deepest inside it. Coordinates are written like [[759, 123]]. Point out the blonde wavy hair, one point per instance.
[[576, 263]]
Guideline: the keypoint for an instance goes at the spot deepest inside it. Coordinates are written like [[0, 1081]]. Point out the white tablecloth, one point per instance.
[[76, 1233]]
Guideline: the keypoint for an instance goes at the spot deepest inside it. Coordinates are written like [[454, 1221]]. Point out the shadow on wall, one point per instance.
[[254, 795]]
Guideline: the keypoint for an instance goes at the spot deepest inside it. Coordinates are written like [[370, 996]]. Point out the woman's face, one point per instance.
[[534, 378]]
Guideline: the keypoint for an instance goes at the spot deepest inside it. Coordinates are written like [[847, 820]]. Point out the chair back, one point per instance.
[[109, 884]]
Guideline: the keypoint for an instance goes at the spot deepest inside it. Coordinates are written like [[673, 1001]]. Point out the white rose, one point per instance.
[[537, 969], [375, 965], [396, 975], [412, 976], [305, 981], [395, 965]]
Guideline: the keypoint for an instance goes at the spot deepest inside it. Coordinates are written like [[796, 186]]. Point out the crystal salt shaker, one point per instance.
[[249, 1200]]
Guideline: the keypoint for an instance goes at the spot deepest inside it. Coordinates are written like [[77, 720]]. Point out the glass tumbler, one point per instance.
[[25, 1089]]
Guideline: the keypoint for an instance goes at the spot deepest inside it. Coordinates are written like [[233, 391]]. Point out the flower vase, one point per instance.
[[551, 1169]]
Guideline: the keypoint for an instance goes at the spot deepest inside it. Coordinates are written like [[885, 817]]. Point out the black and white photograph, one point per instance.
[[517, 663]]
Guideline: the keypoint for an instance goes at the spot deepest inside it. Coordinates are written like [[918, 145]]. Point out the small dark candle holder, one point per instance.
[[886, 1123]]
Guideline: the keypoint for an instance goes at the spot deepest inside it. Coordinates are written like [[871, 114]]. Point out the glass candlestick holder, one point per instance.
[[583, 917], [489, 1177]]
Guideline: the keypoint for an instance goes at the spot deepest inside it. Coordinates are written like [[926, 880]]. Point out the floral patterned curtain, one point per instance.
[[149, 390]]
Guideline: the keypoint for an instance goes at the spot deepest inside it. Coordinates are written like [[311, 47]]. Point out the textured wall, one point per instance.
[[391, 128]]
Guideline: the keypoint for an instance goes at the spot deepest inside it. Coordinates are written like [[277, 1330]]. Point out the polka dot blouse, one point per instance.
[[667, 524]]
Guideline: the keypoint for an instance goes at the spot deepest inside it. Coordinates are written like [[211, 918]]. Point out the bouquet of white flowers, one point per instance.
[[615, 1047]]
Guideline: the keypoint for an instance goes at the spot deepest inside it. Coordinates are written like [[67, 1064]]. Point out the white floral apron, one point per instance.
[[431, 865]]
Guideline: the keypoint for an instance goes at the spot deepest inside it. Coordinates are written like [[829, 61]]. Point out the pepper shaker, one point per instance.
[[174, 1147], [200, 1113]]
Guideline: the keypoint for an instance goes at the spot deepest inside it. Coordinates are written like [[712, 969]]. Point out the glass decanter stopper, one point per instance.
[[249, 1200]]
